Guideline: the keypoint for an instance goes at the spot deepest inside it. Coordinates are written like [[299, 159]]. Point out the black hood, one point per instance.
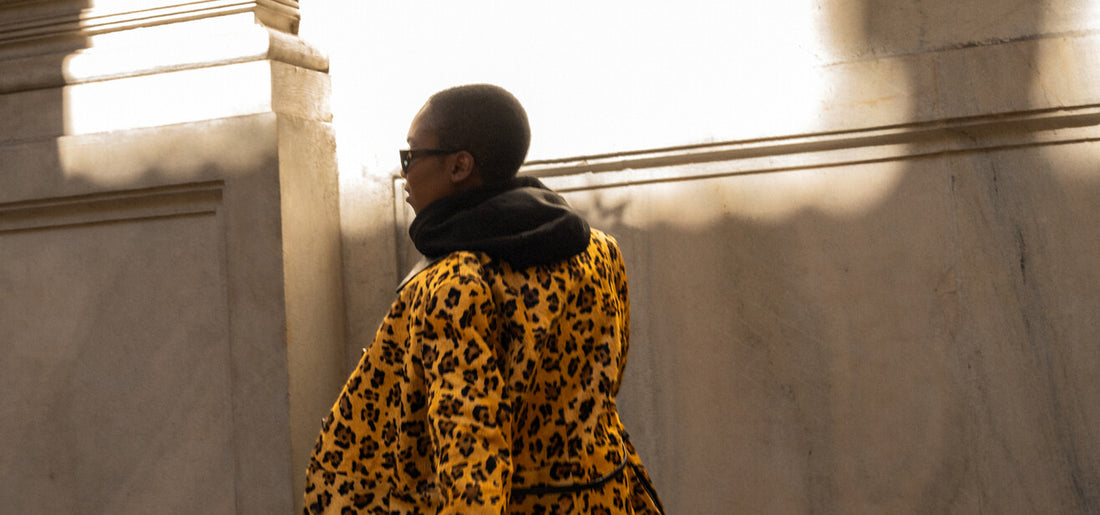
[[522, 222]]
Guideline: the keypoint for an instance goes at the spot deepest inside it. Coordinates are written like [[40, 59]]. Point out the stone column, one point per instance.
[[171, 317]]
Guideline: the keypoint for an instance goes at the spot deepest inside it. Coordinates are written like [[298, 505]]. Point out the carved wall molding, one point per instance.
[[787, 154], [51, 44], [781, 154], [202, 198], [34, 21]]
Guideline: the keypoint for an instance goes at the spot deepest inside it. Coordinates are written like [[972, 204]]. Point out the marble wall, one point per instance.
[[897, 317], [172, 317], [882, 301], [933, 352], [892, 313]]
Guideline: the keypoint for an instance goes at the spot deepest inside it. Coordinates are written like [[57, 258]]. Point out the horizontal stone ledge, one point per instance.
[[27, 22], [99, 64], [820, 150], [111, 207]]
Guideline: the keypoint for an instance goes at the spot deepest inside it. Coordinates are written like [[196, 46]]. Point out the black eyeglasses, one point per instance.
[[407, 156]]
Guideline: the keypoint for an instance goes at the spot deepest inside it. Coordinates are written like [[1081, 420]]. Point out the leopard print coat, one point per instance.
[[489, 390]]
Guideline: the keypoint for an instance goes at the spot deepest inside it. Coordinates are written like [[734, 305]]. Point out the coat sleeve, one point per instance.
[[468, 413], [617, 273]]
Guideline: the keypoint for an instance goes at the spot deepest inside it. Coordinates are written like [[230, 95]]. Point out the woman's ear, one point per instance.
[[464, 169]]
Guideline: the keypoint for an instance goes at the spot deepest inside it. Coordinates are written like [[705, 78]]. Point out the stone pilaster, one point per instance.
[[169, 248]]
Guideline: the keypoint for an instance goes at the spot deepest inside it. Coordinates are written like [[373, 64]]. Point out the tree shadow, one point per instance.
[[160, 352], [928, 353]]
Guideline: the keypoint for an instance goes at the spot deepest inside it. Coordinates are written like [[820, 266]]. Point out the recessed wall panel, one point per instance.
[[115, 386]]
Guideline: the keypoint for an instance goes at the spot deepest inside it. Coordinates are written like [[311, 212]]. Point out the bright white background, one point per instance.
[[595, 77]]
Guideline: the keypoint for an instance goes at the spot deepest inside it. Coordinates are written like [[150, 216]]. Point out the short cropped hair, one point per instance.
[[486, 121]]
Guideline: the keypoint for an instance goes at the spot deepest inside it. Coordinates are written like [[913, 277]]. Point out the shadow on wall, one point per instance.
[[126, 386], [932, 354], [33, 393], [118, 377]]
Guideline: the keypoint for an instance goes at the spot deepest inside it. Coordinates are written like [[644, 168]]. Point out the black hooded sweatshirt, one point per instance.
[[521, 221]]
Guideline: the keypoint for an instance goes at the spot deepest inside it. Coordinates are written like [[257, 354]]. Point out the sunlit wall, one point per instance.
[[859, 232]]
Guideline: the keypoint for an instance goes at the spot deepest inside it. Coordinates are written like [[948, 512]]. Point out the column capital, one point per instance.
[[60, 42]]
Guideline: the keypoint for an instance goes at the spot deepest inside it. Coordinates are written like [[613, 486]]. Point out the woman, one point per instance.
[[490, 385]]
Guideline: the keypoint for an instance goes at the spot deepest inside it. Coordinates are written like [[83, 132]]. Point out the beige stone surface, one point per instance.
[[877, 297], [930, 350], [893, 313], [178, 331], [893, 319], [117, 374], [860, 29], [314, 290], [169, 234]]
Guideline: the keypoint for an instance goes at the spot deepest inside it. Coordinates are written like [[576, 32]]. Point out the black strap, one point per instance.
[[648, 488], [568, 489]]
